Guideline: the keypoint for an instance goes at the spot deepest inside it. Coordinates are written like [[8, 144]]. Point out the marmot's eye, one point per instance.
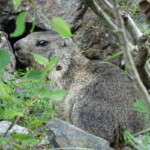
[[42, 43]]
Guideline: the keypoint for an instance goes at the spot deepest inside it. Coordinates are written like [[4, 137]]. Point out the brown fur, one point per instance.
[[99, 95]]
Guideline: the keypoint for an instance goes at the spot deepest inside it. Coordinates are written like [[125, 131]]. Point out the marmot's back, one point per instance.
[[104, 102]]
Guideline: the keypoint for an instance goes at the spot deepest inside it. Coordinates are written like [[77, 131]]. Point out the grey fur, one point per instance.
[[99, 95]]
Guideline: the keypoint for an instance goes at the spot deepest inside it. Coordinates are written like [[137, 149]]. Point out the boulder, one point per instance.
[[4, 125], [5, 44], [69, 136]]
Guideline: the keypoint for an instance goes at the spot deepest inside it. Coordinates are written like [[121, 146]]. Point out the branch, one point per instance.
[[100, 13], [131, 27], [123, 40], [140, 60], [104, 8]]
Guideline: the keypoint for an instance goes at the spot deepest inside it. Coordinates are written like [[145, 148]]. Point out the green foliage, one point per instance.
[[4, 141], [33, 25], [138, 145], [131, 138], [20, 25], [16, 4], [28, 96], [61, 27], [50, 65], [131, 10], [5, 92], [4, 59], [140, 107], [56, 95], [40, 59], [114, 55], [26, 139], [10, 114], [34, 75]]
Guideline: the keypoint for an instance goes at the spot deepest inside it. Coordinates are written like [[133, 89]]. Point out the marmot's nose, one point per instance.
[[17, 46]]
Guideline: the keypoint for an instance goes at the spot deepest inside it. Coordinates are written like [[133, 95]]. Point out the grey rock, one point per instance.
[[5, 44], [60, 135], [4, 125], [140, 147], [69, 136], [90, 32]]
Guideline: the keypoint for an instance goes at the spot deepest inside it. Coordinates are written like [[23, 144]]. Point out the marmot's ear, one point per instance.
[[66, 42]]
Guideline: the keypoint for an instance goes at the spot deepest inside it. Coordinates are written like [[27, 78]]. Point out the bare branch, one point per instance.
[[106, 6], [128, 57], [102, 15], [131, 27], [140, 60]]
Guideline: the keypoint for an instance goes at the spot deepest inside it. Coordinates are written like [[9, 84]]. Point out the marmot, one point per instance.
[[100, 95]]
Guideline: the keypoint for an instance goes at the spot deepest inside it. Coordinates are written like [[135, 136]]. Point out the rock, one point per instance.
[[90, 32], [5, 44], [140, 138], [47, 142], [68, 135], [4, 125], [93, 38], [60, 134]]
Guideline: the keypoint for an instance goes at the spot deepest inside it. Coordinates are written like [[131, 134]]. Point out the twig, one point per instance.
[[106, 6]]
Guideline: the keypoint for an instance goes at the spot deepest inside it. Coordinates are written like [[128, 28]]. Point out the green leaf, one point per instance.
[[34, 75], [56, 95], [114, 56], [4, 59], [61, 27], [10, 114], [1, 112], [30, 142], [140, 107], [20, 136], [20, 25], [49, 66], [37, 122], [5, 92], [4, 141], [40, 59], [33, 26], [145, 141], [26, 140], [16, 4], [131, 139]]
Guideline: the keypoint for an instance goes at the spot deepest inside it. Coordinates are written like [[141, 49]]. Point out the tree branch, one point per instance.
[[100, 13], [104, 8], [123, 40], [140, 60], [131, 27]]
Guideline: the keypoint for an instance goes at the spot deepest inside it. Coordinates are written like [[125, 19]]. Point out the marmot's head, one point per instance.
[[47, 44]]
